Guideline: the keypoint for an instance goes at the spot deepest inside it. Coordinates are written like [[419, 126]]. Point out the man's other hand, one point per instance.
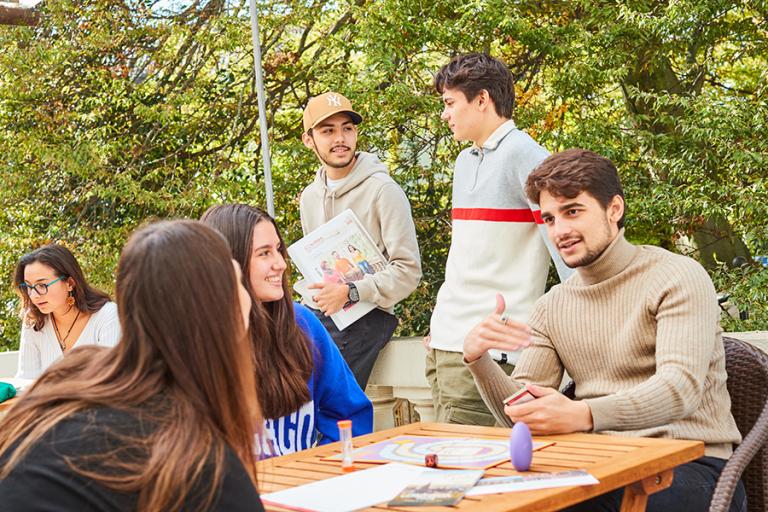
[[551, 413], [331, 298]]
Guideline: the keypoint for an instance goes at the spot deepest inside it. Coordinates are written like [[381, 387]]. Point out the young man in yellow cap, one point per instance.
[[359, 181]]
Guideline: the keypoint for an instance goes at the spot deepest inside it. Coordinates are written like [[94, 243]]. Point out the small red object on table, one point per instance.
[[430, 460]]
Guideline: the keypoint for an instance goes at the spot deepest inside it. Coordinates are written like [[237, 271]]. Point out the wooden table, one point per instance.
[[641, 465]]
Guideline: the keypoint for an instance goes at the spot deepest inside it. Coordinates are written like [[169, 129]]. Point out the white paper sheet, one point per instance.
[[361, 489], [531, 481]]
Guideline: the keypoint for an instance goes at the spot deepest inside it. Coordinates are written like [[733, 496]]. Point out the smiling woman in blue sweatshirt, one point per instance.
[[303, 384]]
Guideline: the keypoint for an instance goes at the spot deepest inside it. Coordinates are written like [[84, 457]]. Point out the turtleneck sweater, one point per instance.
[[638, 332]]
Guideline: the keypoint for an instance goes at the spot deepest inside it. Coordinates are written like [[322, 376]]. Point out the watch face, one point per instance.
[[353, 295]]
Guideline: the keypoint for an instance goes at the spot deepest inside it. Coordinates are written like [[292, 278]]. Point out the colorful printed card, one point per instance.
[[452, 452]]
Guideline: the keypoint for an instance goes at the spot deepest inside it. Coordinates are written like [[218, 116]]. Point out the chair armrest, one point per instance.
[[729, 477]]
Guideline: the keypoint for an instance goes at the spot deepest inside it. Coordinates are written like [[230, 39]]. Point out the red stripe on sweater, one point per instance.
[[497, 214]]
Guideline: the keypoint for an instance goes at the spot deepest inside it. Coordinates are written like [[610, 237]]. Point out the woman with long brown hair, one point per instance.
[[305, 386], [59, 309], [167, 419]]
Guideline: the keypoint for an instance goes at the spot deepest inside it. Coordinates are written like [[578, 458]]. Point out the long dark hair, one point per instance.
[[284, 357], [183, 364], [87, 298]]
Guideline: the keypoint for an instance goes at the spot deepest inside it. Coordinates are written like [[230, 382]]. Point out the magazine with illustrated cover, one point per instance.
[[340, 251], [440, 488]]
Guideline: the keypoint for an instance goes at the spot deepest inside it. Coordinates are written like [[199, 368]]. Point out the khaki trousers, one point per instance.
[[454, 392]]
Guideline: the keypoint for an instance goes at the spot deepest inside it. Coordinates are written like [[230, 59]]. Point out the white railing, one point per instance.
[[398, 374], [9, 362]]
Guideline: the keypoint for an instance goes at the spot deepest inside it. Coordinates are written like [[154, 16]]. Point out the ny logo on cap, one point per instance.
[[334, 100]]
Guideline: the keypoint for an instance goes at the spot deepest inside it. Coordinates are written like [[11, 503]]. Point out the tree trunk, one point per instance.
[[717, 243], [714, 237]]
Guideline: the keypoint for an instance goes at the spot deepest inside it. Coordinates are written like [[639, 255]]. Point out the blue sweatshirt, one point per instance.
[[334, 395]]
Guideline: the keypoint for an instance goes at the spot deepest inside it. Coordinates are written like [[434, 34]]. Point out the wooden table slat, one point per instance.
[[285, 480]]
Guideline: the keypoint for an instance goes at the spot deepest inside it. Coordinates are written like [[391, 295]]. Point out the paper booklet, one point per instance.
[[340, 251], [444, 488], [531, 481]]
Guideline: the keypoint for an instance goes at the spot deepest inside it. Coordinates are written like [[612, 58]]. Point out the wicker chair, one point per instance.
[[747, 369]]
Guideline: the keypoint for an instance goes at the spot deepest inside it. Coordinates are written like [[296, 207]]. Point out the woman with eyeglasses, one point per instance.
[[305, 386], [59, 309], [166, 420]]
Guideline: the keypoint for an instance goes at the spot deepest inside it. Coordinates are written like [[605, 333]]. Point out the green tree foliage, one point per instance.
[[116, 112]]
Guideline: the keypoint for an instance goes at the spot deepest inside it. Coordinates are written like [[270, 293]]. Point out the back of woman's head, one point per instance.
[[64, 264], [183, 363], [283, 356], [177, 294]]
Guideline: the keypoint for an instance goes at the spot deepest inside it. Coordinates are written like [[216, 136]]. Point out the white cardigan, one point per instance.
[[39, 349]]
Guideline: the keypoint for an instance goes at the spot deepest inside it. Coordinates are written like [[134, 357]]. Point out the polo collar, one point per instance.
[[498, 135]]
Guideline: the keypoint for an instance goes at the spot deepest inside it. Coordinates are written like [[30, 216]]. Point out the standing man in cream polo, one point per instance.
[[359, 181], [498, 245]]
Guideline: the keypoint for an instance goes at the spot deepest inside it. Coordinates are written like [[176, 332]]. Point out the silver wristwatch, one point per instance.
[[353, 295]]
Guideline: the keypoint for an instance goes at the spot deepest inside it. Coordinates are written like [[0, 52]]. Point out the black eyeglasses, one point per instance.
[[40, 288]]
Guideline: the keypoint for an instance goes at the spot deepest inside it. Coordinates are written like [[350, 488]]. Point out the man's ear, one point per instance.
[[484, 100], [616, 209], [306, 138]]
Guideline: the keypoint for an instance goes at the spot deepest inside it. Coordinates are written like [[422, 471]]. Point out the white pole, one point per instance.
[[262, 108]]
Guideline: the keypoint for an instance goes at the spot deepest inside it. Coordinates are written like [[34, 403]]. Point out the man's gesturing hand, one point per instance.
[[496, 331]]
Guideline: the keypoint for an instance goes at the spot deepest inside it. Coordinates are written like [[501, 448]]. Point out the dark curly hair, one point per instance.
[[472, 72], [573, 171]]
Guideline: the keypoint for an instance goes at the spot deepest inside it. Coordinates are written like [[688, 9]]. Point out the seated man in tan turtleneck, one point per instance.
[[636, 327]]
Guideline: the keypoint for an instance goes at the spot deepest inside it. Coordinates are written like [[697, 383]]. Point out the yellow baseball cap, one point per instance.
[[324, 106]]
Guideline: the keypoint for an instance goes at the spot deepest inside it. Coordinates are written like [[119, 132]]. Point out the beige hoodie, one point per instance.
[[382, 207]]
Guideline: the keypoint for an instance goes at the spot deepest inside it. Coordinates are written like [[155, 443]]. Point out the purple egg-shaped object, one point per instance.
[[521, 446]]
